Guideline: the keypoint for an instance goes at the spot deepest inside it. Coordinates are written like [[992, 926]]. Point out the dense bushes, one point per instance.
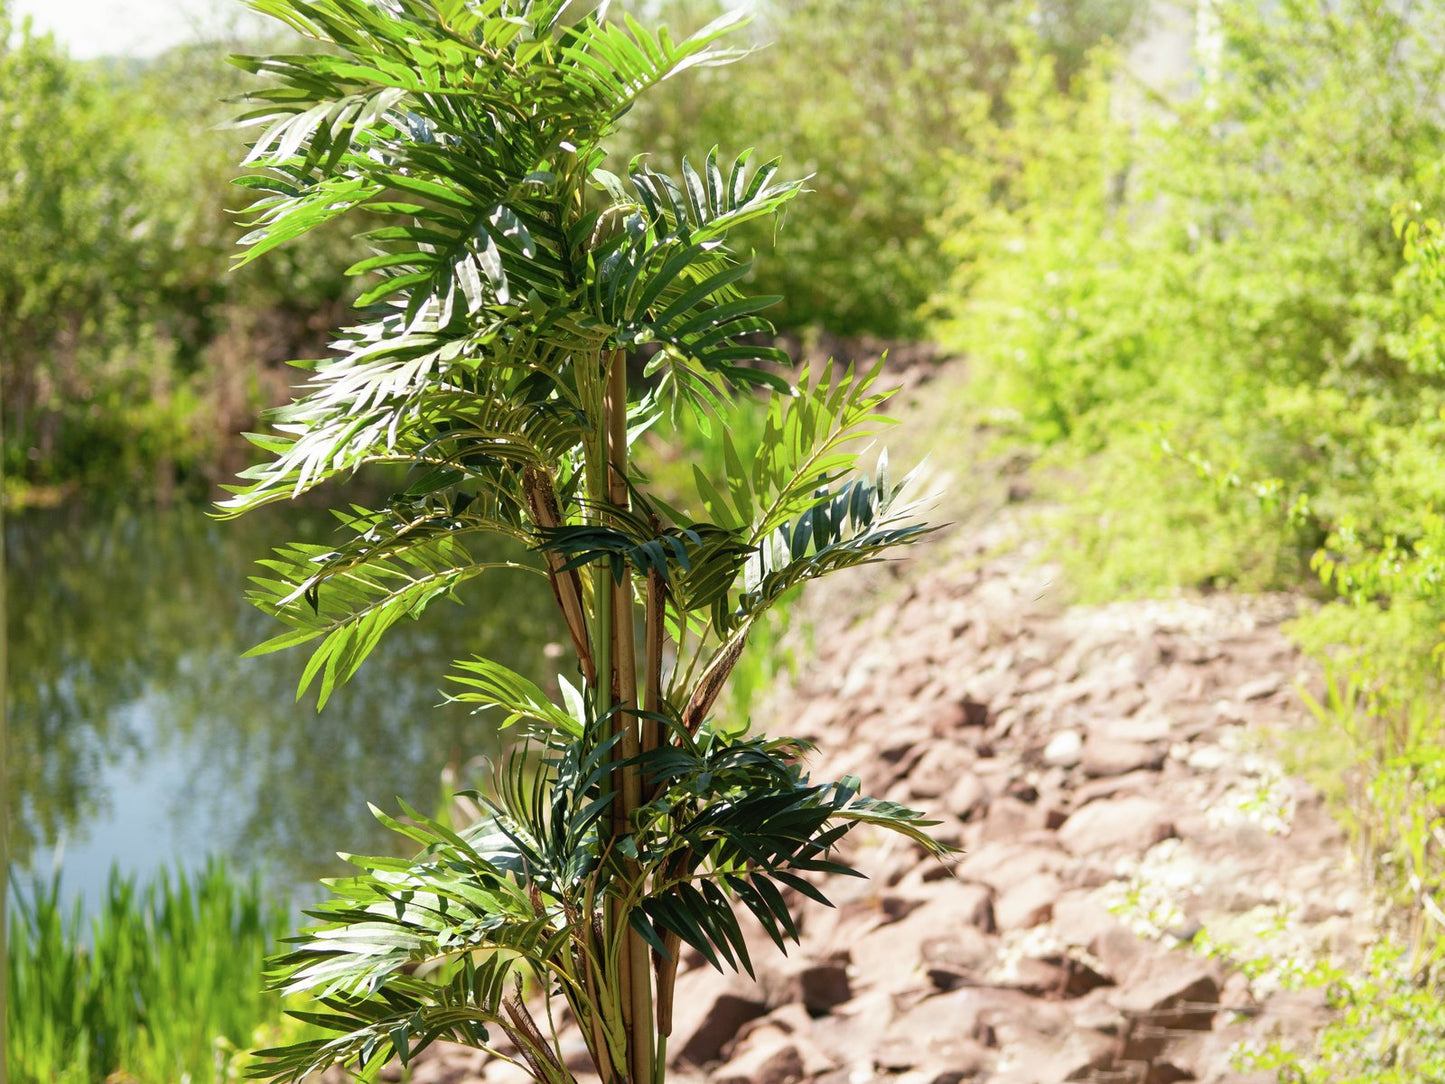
[[871, 96], [1220, 272], [135, 352]]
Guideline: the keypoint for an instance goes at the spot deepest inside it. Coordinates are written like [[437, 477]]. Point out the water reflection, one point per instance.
[[139, 733]]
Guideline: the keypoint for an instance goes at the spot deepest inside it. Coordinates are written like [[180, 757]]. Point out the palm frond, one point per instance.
[[664, 279], [492, 685], [348, 596], [414, 397], [409, 952], [641, 548], [747, 824], [852, 525]]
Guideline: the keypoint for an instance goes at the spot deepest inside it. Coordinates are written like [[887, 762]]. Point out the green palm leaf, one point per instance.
[[349, 597]]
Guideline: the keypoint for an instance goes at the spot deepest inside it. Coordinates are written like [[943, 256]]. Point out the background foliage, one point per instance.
[[159, 986], [876, 127], [132, 352]]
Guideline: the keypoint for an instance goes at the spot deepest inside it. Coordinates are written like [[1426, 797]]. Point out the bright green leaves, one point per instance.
[[355, 610], [705, 207], [459, 106], [663, 277], [492, 685], [390, 568], [427, 915], [854, 525], [401, 394], [610, 65], [810, 438]]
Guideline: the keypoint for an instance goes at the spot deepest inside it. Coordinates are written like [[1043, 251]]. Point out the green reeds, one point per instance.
[[163, 986]]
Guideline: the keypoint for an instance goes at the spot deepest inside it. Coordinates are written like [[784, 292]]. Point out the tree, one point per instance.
[[513, 274]]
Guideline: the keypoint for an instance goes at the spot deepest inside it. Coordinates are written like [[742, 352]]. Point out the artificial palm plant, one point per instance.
[[513, 277]]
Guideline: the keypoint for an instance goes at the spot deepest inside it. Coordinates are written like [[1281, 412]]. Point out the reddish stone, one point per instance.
[[1130, 824], [1114, 758], [710, 1008], [1002, 865], [1172, 993], [1008, 819], [773, 1060], [1030, 902]]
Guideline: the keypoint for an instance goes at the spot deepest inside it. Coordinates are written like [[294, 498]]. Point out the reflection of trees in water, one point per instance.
[[139, 615]]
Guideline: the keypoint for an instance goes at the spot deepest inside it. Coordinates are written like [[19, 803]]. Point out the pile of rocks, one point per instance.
[[1097, 768]]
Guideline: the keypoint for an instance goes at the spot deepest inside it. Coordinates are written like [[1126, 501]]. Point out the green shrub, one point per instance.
[[1218, 279], [512, 277], [1211, 337]]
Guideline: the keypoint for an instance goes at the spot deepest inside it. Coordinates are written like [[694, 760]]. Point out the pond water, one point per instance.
[[139, 736]]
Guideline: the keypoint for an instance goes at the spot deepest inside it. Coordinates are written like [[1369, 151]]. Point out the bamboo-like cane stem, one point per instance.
[[665, 964], [594, 1025], [566, 586], [652, 659], [617, 966], [637, 987]]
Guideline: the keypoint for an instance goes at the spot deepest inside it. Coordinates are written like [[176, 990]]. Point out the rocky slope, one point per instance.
[[1099, 769]]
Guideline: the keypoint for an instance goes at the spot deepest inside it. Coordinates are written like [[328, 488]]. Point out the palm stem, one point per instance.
[[637, 991], [566, 586], [653, 638]]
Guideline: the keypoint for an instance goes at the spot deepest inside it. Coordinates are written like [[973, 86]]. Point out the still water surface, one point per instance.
[[140, 737]]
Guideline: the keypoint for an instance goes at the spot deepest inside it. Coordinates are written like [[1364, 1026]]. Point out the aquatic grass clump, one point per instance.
[[162, 985]]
